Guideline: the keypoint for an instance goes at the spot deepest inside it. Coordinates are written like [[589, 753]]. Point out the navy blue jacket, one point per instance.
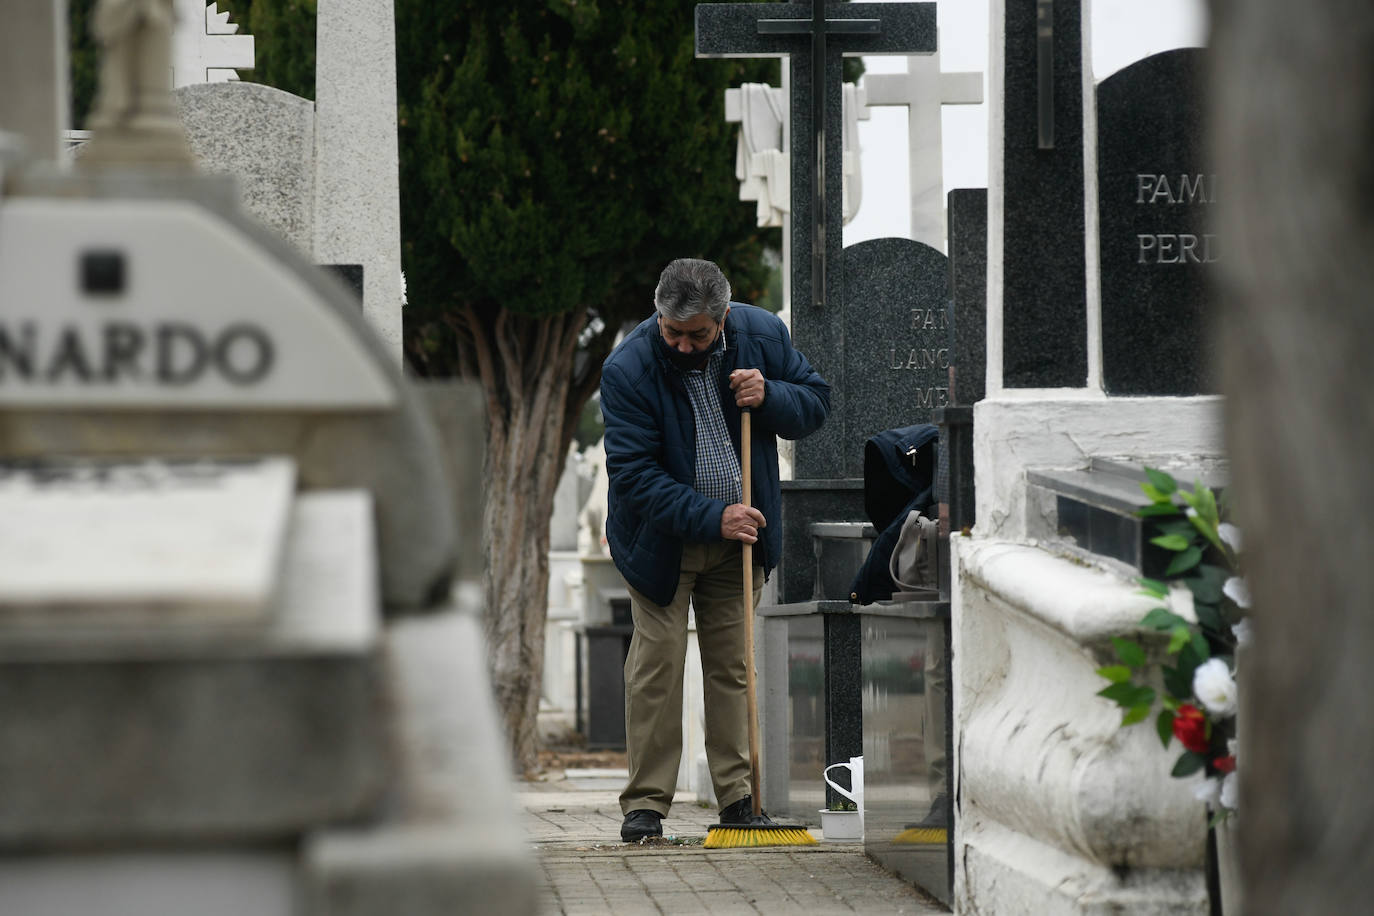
[[651, 447]]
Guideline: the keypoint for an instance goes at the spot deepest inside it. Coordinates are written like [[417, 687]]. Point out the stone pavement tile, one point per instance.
[[585, 868]]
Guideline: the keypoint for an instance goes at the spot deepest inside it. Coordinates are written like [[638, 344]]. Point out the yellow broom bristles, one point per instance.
[[742, 837], [922, 835]]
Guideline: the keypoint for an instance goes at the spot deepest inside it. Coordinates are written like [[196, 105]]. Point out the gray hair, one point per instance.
[[689, 287]]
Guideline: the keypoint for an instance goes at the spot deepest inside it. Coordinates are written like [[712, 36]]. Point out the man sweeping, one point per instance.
[[672, 394]]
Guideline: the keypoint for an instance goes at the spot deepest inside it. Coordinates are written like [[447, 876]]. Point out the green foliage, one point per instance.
[[284, 42], [84, 60], [590, 426], [555, 155], [1188, 524]]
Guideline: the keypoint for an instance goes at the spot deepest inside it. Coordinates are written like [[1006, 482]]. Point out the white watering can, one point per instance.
[[856, 781]]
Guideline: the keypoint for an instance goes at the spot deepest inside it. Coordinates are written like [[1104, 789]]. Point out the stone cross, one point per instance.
[[205, 48], [815, 35], [923, 89]]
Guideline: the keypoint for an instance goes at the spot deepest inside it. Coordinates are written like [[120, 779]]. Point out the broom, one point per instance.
[[731, 836]]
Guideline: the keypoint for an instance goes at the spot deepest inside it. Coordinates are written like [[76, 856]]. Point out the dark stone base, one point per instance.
[[805, 502]]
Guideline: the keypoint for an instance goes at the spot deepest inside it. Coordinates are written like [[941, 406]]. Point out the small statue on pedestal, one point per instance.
[[134, 118]]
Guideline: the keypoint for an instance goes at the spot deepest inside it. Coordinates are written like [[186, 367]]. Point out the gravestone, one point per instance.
[[896, 329], [265, 138], [1044, 312], [239, 583], [1155, 192]]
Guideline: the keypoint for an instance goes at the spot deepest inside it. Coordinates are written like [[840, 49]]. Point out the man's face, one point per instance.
[[696, 335]]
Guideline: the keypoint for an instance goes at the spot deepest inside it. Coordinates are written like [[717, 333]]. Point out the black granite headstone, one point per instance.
[[896, 332], [1155, 191], [1044, 305], [968, 283]]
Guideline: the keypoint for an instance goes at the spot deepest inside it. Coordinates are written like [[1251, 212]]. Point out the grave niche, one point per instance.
[[1155, 191]]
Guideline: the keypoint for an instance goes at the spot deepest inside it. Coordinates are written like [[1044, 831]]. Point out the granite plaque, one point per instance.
[[1155, 195], [896, 333], [1044, 298]]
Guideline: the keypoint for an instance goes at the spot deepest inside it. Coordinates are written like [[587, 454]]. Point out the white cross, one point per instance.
[[923, 89], [204, 46]]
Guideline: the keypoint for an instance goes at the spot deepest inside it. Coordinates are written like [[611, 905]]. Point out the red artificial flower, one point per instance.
[[1190, 728], [1225, 764]]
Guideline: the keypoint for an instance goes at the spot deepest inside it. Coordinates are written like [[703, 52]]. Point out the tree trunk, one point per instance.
[[1294, 121], [534, 397]]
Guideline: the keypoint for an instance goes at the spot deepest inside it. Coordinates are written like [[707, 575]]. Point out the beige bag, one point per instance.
[[913, 559]]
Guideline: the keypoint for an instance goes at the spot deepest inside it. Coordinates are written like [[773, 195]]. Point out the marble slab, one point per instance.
[[141, 541]]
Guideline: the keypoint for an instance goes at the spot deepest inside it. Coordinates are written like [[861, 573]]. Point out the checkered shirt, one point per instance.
[[717, 473]]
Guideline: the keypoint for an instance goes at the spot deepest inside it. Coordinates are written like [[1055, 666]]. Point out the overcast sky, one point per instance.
[[1123, 31]]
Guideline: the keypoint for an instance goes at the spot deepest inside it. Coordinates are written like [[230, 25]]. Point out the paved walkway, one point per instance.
[[574, 822]]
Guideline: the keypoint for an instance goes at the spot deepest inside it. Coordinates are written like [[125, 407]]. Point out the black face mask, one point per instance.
[[688, 362]]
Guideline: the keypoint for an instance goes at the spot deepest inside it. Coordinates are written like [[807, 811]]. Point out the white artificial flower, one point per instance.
[[1208, 791], [1181, 602], [1237, 590], [1230, 534], [1243, 633], [1191, 513], [1215, 688], [1230, 791]]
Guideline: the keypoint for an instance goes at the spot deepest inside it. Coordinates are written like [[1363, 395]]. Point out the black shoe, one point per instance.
[[938, 815], [641, 823], [741, 814]]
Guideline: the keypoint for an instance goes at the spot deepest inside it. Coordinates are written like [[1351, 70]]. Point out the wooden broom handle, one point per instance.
[[747, 555]]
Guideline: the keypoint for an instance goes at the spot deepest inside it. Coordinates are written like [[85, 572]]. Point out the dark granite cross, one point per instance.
[[816, 35]]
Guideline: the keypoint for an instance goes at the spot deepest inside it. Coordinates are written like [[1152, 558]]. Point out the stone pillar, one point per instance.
[[33, 57], [357, 188]]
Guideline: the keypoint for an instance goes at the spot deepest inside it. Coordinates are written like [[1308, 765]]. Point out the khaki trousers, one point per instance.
[[712, 579]]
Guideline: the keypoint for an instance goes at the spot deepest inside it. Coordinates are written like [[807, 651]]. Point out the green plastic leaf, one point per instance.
[[1135, 714], [1154, 588], [1189, 498], [1206, 582], [1161, 480], [1178, 681], [1188, 764], [1178, 638], [1183, 526], [1129, 651], [1199, 645], [1184, 561], [1208, 529], [1164, 725], [1207, 505], [1154, 494], [1157, 509], [1161, 619], [1172, 542], [1117, 674], [1127, 695], [1208, 615]]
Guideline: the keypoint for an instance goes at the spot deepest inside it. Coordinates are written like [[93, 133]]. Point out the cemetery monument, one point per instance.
[[1061, 810], [239, 581]]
